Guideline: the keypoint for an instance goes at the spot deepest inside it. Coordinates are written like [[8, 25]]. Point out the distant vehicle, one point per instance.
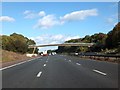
[[45, 53], [42, 54], [53, 53], [76, 54], [49, 53]]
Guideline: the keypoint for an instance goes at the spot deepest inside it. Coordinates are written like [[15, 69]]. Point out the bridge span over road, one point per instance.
[[64, 44]]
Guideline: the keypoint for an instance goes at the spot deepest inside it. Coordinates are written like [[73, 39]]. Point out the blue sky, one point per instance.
[[51, 22]]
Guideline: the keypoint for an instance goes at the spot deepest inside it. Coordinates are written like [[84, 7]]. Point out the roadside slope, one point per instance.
[[9, 58]]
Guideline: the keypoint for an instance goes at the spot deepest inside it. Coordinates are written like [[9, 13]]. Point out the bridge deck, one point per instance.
[[64, 44]]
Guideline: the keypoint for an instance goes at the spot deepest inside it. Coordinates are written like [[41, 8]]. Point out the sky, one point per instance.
[[56, 22]]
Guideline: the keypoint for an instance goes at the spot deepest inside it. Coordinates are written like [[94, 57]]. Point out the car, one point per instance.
[[76, 54]]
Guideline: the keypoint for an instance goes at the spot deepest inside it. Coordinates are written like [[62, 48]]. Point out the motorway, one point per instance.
[[61, 71]]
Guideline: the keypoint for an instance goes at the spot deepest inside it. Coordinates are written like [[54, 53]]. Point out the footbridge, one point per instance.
[[64, 44]]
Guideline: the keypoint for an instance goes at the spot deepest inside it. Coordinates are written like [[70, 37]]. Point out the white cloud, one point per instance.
[[79, 15], [30, 14], [52, 39], [7, 19], [42, 13], [47, 22], [27, 12], [50, 20]]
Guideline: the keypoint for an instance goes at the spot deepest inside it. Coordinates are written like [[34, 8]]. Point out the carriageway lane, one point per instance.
[[60, 72], [107, 67], [22, 75], [57, 72]]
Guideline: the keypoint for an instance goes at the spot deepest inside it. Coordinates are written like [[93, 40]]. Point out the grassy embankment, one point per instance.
[[8, 56]]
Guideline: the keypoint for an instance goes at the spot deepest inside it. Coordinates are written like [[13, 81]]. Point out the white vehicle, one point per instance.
[[53, 53], [76, 54]]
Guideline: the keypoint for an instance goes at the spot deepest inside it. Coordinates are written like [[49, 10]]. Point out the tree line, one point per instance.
[[107, 43], [17, 43]]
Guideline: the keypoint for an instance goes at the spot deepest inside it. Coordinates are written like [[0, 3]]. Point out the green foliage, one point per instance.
[[99, 39], [73, 40], [17, 43], [113, 39], [103, 42], [86, 39], [49, 51]]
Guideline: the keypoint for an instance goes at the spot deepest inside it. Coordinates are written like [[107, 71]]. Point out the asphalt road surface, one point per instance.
[[61, 71]]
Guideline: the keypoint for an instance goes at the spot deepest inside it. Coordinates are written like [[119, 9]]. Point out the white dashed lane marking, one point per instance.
[[44, 65], [39, 74], [78, 64], [99, 72]]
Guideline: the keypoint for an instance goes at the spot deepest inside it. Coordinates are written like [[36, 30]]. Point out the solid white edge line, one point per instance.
[[44, 65], [78, 64], [16, 64], [39, 74], [12, 65], [99, 72]]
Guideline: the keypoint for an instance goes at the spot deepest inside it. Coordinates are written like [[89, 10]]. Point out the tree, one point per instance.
[[102, 41], [113, 39], [17, 43]]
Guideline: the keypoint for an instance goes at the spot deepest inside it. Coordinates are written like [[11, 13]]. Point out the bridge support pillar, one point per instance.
[[34, 50]]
